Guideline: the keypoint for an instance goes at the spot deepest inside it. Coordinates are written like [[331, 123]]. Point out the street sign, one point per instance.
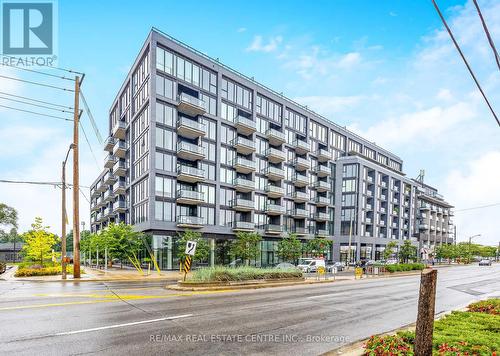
[[190, 248], [358, 272], [321, 270]]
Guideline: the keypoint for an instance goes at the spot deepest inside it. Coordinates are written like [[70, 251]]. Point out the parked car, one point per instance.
[[330, 266], [485, 262], [391, 261], [285, 265], [312, 266], [303, 263], [236, 263]]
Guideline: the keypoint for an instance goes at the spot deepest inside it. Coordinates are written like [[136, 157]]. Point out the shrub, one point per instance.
[[37, 270], [403, 267], [397, 345], [226, 274], [490, 306]]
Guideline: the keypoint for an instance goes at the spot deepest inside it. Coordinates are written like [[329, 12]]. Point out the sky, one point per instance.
[[386, 70]]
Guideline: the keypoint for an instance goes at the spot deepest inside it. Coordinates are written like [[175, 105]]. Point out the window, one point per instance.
[[354, 146], [208, 169], [165, 138], [141, 123], [164, 187], [295, 121], [165, 161], [236, 93], [208, 193], [225, 196], [165, 87], [268, 108], [165, 114], [210, 127], [318, 132], [164, 211], [226, 217]]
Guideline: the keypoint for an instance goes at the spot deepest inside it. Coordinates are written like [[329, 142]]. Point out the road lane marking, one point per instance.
[[122, 325], [111, 299]]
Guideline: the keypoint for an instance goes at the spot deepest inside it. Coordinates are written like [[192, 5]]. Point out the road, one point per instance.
[[145, 318]]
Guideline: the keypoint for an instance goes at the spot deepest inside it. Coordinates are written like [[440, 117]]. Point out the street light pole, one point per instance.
[[64, 215], [470, 244]]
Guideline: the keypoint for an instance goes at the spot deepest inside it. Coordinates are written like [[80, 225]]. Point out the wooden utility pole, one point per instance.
[[425, 317], [76, 184]]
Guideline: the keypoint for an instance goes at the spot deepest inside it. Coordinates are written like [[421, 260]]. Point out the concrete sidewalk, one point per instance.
[[95, 275]]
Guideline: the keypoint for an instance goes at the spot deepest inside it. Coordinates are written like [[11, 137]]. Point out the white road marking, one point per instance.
[[122, 325]]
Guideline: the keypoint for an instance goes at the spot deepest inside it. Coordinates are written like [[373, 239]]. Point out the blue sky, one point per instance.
[[384, 69]]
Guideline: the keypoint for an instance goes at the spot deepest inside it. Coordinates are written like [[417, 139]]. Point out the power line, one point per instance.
[[91, 117], [36, 113], [37, 105], [36, 100], [37, 71], [465, 61], [478, 207], [35, 83], [88, 142], [45, 65], [55, 184], [490, 40]]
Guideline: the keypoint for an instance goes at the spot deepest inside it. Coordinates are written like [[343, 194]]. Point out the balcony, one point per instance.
[[322, 186], [395, 201], [274, 155], [383, 184], [300, 146], [244, 125], [382, 210], [243, 226], [244, 185], [322, 200], [395, 225], [406, 204], [322, 233], [109, 144], [299, 213], [119, 188], [300, 197], [274, 191], [108, 196], [190, 197], [190, 128], [274, 209], [190, 151], [300, 180], [120, 207], [119, 169], [300, 231], [275, 137], [189, 221], [109, 161], [101, 187], [120, 149], [189, 174], [243, 145], [119, 130], [243, 165], [109, 213], [369, 179], [323, 155], [368, 220], [109, 179], [320, 216], [274, 173], [322, 170], [369, 193], [241, 204], [190, 105], [368, 207], [405, 215], [273, 229], [383, 197], [395, 188], [301, 164], [425, 207]]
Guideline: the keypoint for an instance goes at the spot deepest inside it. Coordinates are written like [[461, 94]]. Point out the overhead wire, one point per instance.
[[465, 61], [487, 32], [37, 105], [36, 113], [37, 100], [36, 71], [48, 66], [36, 83], [91, 117]]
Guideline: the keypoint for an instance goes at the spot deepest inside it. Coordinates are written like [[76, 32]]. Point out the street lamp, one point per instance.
[[470, 243], [64, 215]]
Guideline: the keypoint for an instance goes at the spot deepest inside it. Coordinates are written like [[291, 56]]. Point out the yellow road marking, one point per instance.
[[108, 299]]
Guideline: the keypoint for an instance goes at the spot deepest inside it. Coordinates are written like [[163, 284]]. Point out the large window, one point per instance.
[[165, 138], [208, 193], [165, 114], [165, 87], [269, 108], [295, 121], [236, 93], [164, 211], [165, 161], [164, 187], [318, 132]]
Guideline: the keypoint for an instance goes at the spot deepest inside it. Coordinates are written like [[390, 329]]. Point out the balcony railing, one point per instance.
[[301, 146], [190, 128], [273, 190], [299, 213], [244, 124], [322, 200], [188, 220], [109, 161], [189, 174], [274, 209], [273, 228], [242, 204], [274, 172], [243, 165], [322, 232], [188, 150], [300, 179], [189, 196], [322, 170], [275, 136], [243, 145], [119, 129], [301, 163], [190, 105], [300, 196], [322, 185], [323, 155], [244, 184], [243, 225]]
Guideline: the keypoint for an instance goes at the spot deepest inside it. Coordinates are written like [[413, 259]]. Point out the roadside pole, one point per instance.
[[350, 241], [425, 317], [64, 215], [76, 184]]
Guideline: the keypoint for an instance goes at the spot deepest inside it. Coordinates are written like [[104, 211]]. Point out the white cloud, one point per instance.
[[258, 44], [349, 60], [241, 29], [328, 105], [476, 184]]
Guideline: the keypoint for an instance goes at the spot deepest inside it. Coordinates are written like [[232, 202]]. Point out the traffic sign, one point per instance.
[[190, 248], [358, 272], [321, 270]]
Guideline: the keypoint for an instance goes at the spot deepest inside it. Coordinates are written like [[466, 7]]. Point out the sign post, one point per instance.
[[190, 251]]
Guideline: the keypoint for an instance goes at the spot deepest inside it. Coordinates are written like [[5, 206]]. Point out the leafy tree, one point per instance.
[[121, 241], [202, 248], [289, 248], [389, 250], [39, 242], [69, 240], [318, 246], [407, 251], [246, 246], [8, 216]]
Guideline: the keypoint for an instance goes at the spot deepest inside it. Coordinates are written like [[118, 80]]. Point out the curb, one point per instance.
[[248, 286]]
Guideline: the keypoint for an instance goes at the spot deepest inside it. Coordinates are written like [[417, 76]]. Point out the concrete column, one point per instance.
[[169, 252], [212, 252], [358, 251]]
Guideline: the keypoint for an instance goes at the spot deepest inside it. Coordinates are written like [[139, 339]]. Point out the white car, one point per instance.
[[312, 266]]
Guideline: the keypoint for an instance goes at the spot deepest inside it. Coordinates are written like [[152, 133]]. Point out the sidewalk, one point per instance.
[[95, 275]]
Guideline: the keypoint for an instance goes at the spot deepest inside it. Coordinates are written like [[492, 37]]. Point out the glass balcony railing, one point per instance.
[[189, 100], [183, 169], [190, 148], [190, 194], [189, 220]]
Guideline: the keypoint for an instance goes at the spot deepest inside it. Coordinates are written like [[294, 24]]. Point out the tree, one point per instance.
[[318, 246], [389, 250], [407, 251], [121, 241], [246, 246], [289, 248], [8, 217], [39, 242], [202, 248]]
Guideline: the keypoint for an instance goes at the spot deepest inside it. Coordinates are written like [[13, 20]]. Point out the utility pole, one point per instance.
[[350, 240], [76, 184], [64, 215]]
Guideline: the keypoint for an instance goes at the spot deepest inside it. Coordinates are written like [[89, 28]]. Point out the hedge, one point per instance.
[[403, 267], [227, 274], [42, 271]]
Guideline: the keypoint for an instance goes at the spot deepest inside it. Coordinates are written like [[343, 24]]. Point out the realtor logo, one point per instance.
[[28, 28]]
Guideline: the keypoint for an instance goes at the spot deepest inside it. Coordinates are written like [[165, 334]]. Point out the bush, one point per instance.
[[403, 267], [226, 274], [491, 306], [398, 345], [37, 270]]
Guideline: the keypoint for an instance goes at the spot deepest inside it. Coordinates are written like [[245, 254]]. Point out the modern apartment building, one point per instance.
[[193, 144]]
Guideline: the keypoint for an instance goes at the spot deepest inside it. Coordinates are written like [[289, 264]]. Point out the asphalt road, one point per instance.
[[144, 318]]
